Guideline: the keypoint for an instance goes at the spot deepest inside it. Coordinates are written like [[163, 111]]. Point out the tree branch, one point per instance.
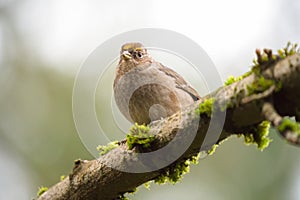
[[266, 94]]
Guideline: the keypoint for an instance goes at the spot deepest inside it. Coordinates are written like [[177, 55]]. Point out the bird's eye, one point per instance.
[[139, 54]]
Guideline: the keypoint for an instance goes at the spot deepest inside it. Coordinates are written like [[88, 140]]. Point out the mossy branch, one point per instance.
[[251, 103]]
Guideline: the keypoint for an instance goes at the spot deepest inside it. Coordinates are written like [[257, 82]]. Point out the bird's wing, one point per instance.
[[180, 82]]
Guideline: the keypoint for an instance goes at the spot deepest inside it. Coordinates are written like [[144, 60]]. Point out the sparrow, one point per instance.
[[146, 90]]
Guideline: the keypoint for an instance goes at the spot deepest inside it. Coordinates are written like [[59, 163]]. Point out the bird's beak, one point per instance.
[[126, 55]]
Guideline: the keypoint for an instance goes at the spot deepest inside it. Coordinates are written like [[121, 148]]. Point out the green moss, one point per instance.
[[41, 190], [147, 185], [289, 124], [206, 107], [175, 173], [260, 136], [266, 57], [260, 85], [249, 138], [231, 79], [262, 132], [106, 148], [139, 135], [288, 50], [62, 177], [213, 149]]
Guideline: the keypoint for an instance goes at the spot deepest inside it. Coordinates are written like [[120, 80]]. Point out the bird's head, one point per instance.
[[132, 55], [134, 52]]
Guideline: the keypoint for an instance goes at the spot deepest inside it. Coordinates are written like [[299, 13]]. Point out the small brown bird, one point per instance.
[[145, 90]]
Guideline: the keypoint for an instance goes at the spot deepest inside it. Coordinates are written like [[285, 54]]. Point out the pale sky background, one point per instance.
[[64, 32]]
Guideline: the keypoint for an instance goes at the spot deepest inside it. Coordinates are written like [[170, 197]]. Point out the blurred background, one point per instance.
[[43, 43]]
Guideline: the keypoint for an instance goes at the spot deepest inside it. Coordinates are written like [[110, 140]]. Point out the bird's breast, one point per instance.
[[145, 94]]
